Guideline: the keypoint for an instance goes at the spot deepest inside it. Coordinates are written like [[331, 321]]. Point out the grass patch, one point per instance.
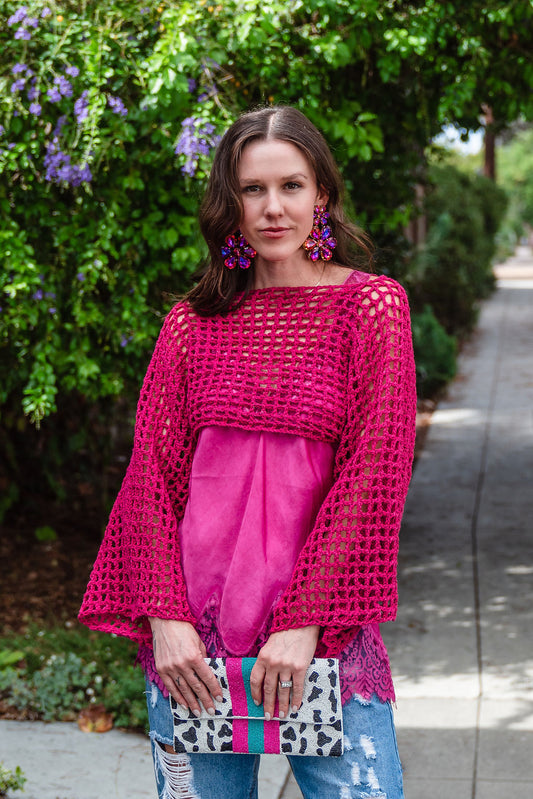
[[52, 673]]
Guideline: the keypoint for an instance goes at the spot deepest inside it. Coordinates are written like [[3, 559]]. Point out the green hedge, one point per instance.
[[453, 270]]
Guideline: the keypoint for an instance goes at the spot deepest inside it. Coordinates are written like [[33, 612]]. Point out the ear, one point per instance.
[[322, 197]]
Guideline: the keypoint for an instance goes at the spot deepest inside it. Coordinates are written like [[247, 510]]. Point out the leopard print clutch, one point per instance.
[[239, 725]]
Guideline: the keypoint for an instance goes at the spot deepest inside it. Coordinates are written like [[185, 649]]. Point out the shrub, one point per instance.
[[11, 780], [55, 673], [435, 353], [453, 269]]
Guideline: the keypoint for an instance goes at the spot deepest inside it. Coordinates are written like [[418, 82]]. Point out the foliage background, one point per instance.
[[110, 111]]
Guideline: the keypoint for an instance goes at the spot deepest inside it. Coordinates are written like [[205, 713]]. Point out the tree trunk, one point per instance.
[[489, 167]]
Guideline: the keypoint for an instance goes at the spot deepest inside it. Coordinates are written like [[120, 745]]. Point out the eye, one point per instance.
[[251, 189], [292, 185]]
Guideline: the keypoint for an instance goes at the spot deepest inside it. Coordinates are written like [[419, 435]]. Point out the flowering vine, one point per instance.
[[51, 91]]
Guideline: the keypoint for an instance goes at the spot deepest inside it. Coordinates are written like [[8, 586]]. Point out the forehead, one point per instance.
[[273, 157]]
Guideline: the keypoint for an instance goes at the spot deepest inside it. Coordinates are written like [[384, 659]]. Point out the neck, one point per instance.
[[281, 274]]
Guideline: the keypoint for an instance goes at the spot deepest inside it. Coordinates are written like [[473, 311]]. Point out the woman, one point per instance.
[[273, 446]]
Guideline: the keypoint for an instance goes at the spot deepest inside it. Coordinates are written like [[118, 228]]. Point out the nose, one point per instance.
[[273, 206]]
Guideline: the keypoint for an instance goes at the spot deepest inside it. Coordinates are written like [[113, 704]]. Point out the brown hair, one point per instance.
[[221, 209]]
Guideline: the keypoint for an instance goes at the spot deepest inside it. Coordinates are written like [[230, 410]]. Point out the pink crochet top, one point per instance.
[[331, 364]]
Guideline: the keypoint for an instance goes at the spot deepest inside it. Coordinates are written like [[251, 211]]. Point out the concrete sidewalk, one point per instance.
[[461, 649]]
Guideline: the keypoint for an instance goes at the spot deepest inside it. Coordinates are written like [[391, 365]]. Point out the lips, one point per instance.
[[275, 232]]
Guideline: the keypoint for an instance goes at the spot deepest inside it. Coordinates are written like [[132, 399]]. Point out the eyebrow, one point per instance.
[[283, 179]]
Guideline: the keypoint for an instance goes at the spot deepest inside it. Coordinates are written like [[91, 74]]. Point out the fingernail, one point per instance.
[[184, 707], [197, 713], [256, 703], [294, 709], [219, 698], [267, 716], [281, 714], [211, 711]]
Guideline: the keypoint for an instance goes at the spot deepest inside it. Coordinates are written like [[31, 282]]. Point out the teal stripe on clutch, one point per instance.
[[256, 735]]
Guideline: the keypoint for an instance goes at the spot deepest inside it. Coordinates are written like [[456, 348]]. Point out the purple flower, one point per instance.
[[49, 295], [38, 295], [81, 107], [33, 93], [53, 95], [18, 85], [117, 106], [2, 130], [52, 310], [80, 174], [32, 22], [72, 71], [145, 10], [11, 146], [59, 168], [18, 16], [45, 12], [18, 68], [80, 276], [63, 85], [196, 139], [35, 109], [210, 91], [59, 126], [22, 33], [192, 84], [125, 340]]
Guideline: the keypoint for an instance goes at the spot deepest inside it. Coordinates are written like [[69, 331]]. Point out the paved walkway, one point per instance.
[[461, 649]]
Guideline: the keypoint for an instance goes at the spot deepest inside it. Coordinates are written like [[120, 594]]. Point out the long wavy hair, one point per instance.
[[221, 211]]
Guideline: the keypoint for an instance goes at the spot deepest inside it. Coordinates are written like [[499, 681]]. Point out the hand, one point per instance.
[[285, 657], [179, 659]]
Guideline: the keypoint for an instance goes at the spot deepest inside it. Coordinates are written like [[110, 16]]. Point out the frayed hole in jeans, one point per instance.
[[177, 774]]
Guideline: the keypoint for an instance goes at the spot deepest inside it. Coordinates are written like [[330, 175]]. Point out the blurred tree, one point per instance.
[[516, 178]]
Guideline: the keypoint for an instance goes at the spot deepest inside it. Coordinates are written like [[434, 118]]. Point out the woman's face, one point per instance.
[[279, 192]]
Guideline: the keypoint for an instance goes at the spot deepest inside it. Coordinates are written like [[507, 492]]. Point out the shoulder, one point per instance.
[[378, 307], [380, 293], [381, 289], [174, 335], [178, 319]]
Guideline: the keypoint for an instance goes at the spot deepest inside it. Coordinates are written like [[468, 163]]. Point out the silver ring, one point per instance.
[[285, 683]]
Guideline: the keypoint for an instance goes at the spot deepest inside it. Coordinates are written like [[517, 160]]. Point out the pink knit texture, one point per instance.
[[331, 363]]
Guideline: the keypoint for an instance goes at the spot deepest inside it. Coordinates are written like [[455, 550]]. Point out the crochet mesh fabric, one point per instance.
[[331, 363]]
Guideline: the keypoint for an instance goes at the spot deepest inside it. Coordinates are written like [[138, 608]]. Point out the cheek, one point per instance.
[[247, 215]]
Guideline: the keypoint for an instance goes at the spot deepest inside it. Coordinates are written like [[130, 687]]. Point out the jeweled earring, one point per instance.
[[237, 252], [320, 242]]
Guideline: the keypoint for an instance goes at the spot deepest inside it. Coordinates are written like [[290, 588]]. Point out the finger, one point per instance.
[[270, 692], [257, 675], [298, 682], [172, 687], [190, 695], [284, 695], [207, 676], [197, 691]]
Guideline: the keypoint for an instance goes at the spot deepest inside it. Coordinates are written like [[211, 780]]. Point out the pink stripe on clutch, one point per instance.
[[238, 703], [271, 734]]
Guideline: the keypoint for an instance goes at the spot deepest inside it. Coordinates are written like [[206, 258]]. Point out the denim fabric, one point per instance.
[[369, 768]]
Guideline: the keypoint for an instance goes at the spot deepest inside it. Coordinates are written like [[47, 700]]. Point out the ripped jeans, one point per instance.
[[369, 768]]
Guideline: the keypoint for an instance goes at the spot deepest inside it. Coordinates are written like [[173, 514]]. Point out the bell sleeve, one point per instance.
[[345, 576], [137, 572]]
